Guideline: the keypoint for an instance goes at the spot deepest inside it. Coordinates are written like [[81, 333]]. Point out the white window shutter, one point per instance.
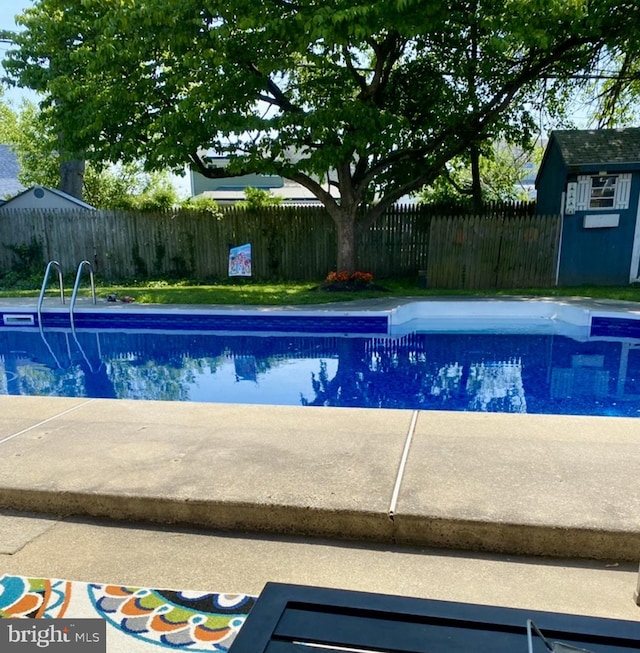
[[584, 193], [623, 190]]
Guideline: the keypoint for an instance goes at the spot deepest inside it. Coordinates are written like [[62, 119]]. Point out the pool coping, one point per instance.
[[571, 316], [588, 505]]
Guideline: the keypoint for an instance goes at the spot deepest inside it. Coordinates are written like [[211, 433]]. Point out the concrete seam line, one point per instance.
[[403, 463], [49, 419]]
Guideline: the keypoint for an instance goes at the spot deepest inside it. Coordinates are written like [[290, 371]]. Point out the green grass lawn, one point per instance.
[[299, 294]]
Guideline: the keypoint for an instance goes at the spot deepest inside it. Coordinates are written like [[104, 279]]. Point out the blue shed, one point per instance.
[[592, 178]]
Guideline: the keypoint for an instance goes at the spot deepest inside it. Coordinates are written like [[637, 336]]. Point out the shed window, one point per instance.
[[603, 192]]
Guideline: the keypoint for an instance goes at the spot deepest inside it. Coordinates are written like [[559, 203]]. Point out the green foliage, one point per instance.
[[28, 264], [36, 148], [618, 99], [257, 198], [8, 122], [502, 169], [378, 97], [203, 204], [125, 186], [153, 198], [128, 187]]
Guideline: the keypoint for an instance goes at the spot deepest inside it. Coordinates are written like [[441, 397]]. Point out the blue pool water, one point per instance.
[[515, 373]]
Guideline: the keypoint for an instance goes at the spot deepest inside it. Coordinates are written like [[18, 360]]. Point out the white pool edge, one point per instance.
[[570, 316]]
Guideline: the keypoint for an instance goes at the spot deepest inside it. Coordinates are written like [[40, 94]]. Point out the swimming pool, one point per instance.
[[568, 360]]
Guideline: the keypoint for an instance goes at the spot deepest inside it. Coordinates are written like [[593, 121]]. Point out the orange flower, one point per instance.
[[346, 277]]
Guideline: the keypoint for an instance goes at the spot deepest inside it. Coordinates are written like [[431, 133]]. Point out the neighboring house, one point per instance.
[[528, 181], [9, 169], [229, 190], [592, 179], [39, 197]]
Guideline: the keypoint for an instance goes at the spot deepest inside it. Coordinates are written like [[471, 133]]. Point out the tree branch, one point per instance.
[[612, 93], [214, 172], [387, 54], [197, 161], [279, 97], [358, 78], [329, 202], [460, 189], [472, 125]]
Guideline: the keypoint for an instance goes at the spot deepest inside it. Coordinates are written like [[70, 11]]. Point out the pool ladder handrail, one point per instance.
[[43, 289], [74, 296], [45, 280]]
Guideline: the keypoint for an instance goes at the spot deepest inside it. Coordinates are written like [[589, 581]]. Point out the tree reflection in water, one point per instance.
[[446, 371], [389, 376]]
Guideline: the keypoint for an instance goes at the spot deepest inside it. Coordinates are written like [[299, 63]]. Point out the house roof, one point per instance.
[[9, 169], [70, 198], [581, 147], [290, 193], [40, 193]]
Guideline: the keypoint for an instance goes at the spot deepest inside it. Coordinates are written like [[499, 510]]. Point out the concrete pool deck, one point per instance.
[[152, 494], [356, 498], [517, 484]]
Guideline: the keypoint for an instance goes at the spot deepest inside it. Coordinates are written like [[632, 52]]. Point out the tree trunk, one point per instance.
[[476, 184], [346, 233], [72, 177]]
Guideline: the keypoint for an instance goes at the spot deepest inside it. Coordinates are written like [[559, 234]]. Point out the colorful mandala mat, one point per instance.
[[138, 619]]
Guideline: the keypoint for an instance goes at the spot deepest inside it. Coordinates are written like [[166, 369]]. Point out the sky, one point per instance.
[[8, 10]]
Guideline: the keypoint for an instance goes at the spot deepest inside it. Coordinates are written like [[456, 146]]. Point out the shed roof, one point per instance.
[[581, 147], [41, 194]]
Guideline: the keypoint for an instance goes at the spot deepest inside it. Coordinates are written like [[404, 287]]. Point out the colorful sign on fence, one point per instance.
[[240, 261]]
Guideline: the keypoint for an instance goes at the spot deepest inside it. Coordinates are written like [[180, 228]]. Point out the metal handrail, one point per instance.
[[43, 289], [74, 295], [50, 265]]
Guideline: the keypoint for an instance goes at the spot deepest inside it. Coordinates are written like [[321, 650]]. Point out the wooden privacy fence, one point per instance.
[[287, 243], [493, 252], [496, 250]]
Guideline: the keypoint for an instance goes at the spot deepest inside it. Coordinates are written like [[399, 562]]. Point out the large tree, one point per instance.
[[118, 187], [373, 98]]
